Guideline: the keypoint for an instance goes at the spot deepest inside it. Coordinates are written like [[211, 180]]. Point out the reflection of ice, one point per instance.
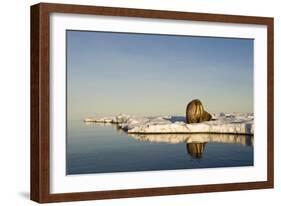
[[234, 123], [195, 138], [195, 143]]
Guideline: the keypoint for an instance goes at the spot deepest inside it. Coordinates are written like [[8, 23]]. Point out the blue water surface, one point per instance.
[[101, 148]]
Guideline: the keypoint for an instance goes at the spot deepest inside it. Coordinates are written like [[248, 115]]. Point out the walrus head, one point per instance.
[[195, 112]]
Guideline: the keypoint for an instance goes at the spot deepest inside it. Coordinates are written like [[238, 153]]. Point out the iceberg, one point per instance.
[[222, 123]]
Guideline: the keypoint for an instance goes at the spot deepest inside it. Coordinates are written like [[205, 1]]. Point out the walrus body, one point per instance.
[[195, 112]]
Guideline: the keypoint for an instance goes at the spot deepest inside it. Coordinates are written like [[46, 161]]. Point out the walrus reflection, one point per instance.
[[196, 150]]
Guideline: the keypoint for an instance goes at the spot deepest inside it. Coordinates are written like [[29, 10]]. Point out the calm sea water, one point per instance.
[[101, 148]]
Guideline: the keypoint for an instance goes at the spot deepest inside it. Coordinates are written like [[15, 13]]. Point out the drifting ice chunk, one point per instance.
[[221, 123]]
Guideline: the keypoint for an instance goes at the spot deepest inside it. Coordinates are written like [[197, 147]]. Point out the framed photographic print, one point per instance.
[[131, 102]]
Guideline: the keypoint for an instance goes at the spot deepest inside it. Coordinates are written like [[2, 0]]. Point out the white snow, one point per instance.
[[234, 123]]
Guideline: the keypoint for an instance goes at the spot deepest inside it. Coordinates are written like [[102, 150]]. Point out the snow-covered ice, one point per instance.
[[225, 123]]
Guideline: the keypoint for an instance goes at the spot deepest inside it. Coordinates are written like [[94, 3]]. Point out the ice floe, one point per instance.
[[225, 123]]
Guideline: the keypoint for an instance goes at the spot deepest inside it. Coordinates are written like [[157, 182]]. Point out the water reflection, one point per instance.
[[195, 150], [196, 143], [104, 148], [246, 140]]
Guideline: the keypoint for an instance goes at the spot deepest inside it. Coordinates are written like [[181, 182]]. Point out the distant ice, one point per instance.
[[224, 123]]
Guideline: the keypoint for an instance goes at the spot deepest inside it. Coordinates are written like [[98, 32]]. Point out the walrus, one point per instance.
[[195, 112]]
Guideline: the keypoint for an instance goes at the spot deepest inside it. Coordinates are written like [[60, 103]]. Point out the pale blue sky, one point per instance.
[[142, 74]]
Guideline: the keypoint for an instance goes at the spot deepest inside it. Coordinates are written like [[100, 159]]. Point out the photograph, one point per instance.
[[133, 102], [139, 102]]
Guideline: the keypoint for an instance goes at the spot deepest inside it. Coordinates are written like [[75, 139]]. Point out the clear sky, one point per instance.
[[142, 74]]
